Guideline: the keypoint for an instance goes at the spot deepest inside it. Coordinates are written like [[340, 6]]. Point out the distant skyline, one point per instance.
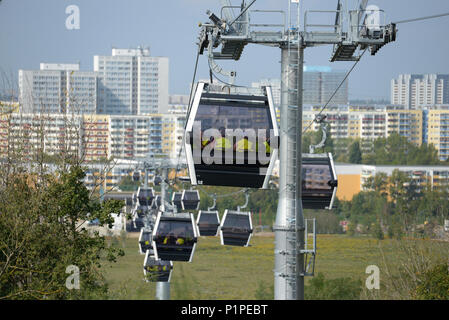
[[35, 31]]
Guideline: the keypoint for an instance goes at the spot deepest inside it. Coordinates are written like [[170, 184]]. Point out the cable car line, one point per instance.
[[336, 90], [423, 18], [188, 113]]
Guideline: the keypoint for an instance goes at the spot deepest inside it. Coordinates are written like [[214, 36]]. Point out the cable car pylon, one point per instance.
[[353, 30]]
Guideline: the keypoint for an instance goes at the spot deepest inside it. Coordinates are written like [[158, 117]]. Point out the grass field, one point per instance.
[[225, 272]]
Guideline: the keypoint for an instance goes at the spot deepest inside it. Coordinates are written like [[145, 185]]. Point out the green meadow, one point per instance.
[[226, 272]]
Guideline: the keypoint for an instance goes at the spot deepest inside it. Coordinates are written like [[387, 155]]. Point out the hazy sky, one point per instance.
[[34, 31]]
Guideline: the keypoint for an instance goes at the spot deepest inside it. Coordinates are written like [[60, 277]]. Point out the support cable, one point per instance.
[[188, 114], [423, 18], [335, 92]]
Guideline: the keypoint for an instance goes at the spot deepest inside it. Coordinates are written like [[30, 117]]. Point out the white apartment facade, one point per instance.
[[131, 81], [57, 88], [419, 90]]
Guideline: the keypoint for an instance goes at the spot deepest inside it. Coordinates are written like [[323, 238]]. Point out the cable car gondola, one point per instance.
[[236, 228], [138, 223], [145, 241], [238, 122], [145, 196], [136, 176], [319, 181], [208, 223], [175, 236], [157, 180], [157, 202], [176, 200], [156, 270], [190, 200]]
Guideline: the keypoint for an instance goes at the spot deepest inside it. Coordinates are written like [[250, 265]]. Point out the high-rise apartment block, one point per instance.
[[57, 88], [129, 82], [319, 83], [132, 82], [419, 90]]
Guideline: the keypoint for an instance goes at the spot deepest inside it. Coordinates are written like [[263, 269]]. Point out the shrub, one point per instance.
[[320, 288], [434, 284]]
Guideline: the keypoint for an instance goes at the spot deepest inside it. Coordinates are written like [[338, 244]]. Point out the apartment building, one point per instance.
[[407, 123], [132, 82], [95, 137], [172, 134], [369, 123], [32, 134], [57, 88], [129, 137], [419, 90], [320, 82], [438, 130], [352, 177]]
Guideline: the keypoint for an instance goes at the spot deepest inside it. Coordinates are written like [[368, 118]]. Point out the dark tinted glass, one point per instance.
[[177, 196], [191, 196], [146, 236], [236, 116], [145, 196], [316, 177], [238, 221], [175, 232], [210, 218]]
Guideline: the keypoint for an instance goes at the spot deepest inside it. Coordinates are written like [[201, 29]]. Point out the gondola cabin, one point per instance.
[[156, 270], [236, 228], [145, 242], [175, 236], [138, 211], [231, 139], [319, 181], [138, 223], [190, 200], [157, 180], [157, 202], [208, 223], [176, 200], [136, 176], [145, 196]]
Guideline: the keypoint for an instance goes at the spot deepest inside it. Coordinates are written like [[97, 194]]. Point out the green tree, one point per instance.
[[127, 184], [355, 153], [41, 234], [397, 150]]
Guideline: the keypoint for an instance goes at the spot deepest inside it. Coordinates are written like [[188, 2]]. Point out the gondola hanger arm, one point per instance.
[[214, 197], [323, 124], [246, 201]]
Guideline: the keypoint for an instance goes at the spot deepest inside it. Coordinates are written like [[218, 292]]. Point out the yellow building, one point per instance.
[[352, 177], [438, 130], [8, 107], [369, 123], [407, 123]]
